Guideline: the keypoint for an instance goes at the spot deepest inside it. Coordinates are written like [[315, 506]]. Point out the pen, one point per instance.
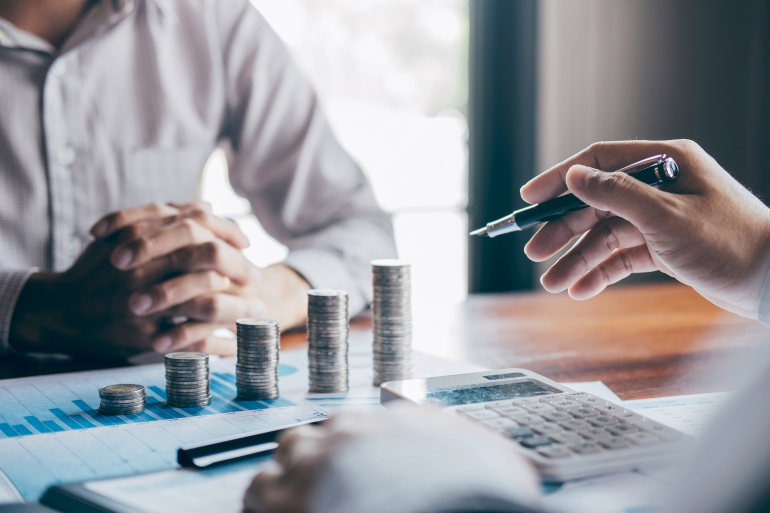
[[654, 170], [233, 448]]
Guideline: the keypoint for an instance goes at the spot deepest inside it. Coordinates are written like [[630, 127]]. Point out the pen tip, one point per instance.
[[480, 231]]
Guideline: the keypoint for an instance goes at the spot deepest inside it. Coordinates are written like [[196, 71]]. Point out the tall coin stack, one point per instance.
[[122, 399], [392, 312], [327, 338], [256, 372], [187, 379]]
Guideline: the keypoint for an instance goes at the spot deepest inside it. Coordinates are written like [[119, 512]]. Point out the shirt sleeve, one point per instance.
[[11, 283], [418, 473], [304, 188], [764, 303]]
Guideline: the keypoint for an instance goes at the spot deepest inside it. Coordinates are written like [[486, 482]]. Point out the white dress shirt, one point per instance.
[[129, 109]]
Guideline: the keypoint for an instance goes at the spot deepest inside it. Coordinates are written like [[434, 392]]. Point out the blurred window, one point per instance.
[[392, 76]]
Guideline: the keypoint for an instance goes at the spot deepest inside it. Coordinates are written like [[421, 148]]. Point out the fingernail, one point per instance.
[[579, 176], [140, 304], [100, 229], [124, 257], [164, 343]]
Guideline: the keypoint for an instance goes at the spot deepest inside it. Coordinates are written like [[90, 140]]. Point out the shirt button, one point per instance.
[[66, 156], [72, 247]]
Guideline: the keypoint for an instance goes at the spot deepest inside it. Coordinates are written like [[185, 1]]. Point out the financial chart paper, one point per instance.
[[51, 431]]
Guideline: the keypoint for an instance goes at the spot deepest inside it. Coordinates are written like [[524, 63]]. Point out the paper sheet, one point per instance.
[[687, 413]]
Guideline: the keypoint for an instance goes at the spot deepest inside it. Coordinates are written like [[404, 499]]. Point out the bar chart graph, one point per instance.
[[68, 403], [51, 431]]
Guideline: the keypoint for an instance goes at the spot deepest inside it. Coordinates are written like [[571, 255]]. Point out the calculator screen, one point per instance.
[[482, 394]]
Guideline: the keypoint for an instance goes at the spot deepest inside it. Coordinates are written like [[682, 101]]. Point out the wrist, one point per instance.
[[285, 294], [35, 312]]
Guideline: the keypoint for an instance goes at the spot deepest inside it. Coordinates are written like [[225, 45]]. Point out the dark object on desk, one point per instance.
[[230, 449], [76, 498], [655, 170], [23, 507]]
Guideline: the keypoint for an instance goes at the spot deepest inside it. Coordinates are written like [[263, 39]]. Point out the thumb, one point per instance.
[[618, 193]]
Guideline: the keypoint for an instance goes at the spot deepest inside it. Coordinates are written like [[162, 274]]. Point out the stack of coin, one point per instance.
[[392, 312], [122, 399], [327, 338], [188, 383], [256, 372]]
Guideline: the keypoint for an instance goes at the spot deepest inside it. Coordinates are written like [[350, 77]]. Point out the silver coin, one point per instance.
[[127, 389]]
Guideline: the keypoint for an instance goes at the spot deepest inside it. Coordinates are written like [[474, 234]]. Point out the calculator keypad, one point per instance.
[[570, 425]]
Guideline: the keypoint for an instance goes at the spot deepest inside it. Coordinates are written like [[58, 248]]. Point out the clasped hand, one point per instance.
[[157, 276]]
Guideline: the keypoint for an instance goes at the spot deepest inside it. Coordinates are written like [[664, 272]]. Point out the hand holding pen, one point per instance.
[[706, 230]]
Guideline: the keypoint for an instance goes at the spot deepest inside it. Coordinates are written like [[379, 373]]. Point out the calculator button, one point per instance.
[[511, 410], [614, 444], [575, 395], [591, 400], [519, 432], [622, 429], [566, 437], [609, 408], [575, 425], [550, 398], [628, 416], [470, 407], [527, 420], [535, 441], [500, 423], [556, 416], [585, 448], [659, 430], [642, 438], [546, 428], [601, 421], [481, 414], [497, 404], [554, 451], [565, 404], [582, 413], [539, 408], [594, 434], [527, 400]]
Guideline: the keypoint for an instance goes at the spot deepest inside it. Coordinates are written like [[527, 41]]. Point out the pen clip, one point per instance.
[[643, 164]]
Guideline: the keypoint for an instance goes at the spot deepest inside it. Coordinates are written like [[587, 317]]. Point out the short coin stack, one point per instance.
[[327, 337], [122, 399], [392, 312], [259, 344], [188, 383]]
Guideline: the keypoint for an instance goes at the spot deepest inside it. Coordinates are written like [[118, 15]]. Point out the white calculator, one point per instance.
[[566, 434]]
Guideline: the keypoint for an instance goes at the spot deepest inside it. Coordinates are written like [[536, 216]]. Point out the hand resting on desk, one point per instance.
[[706, 230], [146, 267], [405, 461]]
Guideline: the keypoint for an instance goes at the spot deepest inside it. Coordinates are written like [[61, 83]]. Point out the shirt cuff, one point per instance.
[[436, 472], [11, 283], [324, 270]]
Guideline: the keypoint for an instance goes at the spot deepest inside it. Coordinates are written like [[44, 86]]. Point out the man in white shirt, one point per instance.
[[108, 111], [707, 231]]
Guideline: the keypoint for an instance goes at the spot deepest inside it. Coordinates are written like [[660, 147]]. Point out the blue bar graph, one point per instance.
[[8, 430], [37, 425], [30, 410]]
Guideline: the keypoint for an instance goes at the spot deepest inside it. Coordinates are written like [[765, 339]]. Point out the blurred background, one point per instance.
[[449, 106]]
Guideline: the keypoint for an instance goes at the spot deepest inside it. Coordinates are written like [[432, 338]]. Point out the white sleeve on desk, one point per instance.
[[764, 303], [418, 473]]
